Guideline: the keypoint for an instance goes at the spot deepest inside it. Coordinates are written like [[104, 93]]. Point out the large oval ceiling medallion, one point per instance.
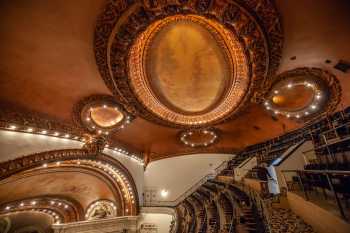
[[188, 63], [188, 70], [186, 66]]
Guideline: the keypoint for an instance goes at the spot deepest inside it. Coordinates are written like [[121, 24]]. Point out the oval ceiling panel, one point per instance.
[[186, 67]]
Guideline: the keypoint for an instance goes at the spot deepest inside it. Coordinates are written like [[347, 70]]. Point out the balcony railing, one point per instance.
[[155, 202]]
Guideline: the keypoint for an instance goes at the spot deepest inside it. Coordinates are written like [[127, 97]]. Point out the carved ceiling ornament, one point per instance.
[[236, 87], [101, 209], [254, 25], [109, 167], [100, 114], [319, 92]]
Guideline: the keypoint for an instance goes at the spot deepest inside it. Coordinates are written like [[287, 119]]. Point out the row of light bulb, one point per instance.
[[119, 176], [93, 126], [107, 168], [126, 153], [312, 107], [116, 174], [32, 204], [69, 136], [53, 214], [44, 132], [186, 134]]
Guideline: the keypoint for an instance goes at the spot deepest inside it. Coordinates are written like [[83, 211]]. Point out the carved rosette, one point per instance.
[[101, 209], [254, 24]]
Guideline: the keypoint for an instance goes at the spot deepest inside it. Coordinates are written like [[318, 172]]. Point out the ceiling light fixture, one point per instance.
[[164, 193]]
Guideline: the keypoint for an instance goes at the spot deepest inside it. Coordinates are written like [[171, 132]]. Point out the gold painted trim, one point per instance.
[[233, 52]]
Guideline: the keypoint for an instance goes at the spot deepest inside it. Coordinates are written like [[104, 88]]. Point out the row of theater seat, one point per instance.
[[340, 182], [223, 207], [218, 207]]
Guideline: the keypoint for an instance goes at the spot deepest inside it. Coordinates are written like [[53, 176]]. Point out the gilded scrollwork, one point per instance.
[[255, 23]]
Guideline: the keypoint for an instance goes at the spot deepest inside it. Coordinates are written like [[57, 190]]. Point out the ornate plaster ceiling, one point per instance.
[[78, 177], [188, 70], [48, 85], [245, 51]]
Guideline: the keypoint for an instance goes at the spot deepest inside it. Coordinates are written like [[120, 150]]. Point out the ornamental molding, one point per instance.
[[255, 23], [42, 159], [10, 114], [118, 224], [81, 114], [67, 210], [232, 96], [18, 119], [321, 78]]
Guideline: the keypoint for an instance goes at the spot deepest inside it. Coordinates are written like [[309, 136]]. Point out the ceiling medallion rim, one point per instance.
[[231, 98], [159, 25], [258, 29], [82, 114], [324, 84], [213, 132]]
